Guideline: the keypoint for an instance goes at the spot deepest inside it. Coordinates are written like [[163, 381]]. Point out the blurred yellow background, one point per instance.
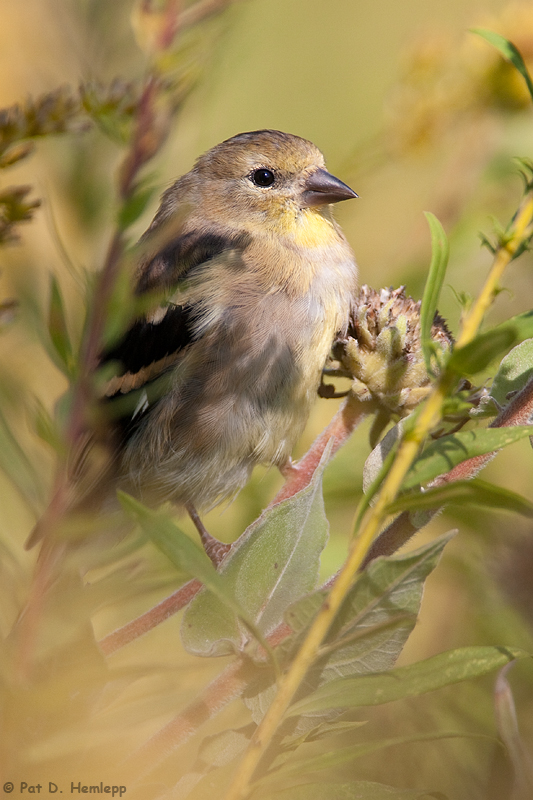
[[414, 112]]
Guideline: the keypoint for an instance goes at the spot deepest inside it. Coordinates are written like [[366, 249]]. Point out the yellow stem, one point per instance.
[[428, 417], [520, 230]]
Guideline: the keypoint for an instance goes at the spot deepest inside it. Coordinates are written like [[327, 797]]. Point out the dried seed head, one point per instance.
[[382, 351]]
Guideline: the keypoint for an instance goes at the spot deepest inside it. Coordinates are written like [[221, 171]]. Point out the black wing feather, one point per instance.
[[146, 343]]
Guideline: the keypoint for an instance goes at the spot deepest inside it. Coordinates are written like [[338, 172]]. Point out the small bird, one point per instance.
[[251, 279]]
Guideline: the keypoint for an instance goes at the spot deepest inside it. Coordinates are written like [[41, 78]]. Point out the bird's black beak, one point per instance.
[[321, 188]]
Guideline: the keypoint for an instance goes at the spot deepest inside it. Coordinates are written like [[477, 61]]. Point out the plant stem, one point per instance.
[[519, 232]]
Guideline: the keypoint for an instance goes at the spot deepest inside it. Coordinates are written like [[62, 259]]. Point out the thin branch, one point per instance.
[[146, 622], [341, 427]]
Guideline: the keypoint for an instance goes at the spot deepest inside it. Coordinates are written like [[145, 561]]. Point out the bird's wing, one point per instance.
[[157, 341]]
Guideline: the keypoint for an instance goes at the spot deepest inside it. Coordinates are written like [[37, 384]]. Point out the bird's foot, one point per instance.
[[214, 548]]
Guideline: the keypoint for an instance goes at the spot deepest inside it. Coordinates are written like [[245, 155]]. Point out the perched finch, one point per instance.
[[252, 280]]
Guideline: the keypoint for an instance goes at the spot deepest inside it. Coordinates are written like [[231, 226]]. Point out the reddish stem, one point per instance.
[[155, 616], [339, 430]]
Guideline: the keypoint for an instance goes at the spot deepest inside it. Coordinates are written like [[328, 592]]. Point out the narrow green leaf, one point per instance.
[[57, 328], [514, 372], [478, 354], [508, 51], [521, 325], [273, 563], [441, 455], [18, 467], [134, 207], [187, 557], [437, 270], [47, 429], [433, 673], [475, 492], [323, 731], [343, 755], [376, 461]]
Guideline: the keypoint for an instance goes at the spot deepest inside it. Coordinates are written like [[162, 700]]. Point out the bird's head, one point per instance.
[[267, 180]]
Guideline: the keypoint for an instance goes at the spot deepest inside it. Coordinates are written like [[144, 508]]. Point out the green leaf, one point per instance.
[[47, 429], [521, 325], [475, 492], [224, 747], [441, 455], [57, 328], [121, 305], [357, 790], [514, 372], [302, 767], [188, 558], [375, 462], [433, 673], [379, 613], [437, 271], [323, 730], [274, 562], [478, 354], [134, 206], [372, 625], [508, 51], [18, 467]]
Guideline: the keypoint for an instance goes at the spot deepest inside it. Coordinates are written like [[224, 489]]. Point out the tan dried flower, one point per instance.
[[382, 351]]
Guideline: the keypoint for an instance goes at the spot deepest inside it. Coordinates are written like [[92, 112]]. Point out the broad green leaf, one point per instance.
[[437, 270], [475, 492], [508, 51], [425, 676], [514, 372], [379, 613], [62, 354], [274, 562], [441, 455], [358, 790], [187, 557], [371, 628], [301, 767]]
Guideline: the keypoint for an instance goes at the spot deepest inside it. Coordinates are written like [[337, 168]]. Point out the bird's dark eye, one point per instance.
[[263, 177]]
